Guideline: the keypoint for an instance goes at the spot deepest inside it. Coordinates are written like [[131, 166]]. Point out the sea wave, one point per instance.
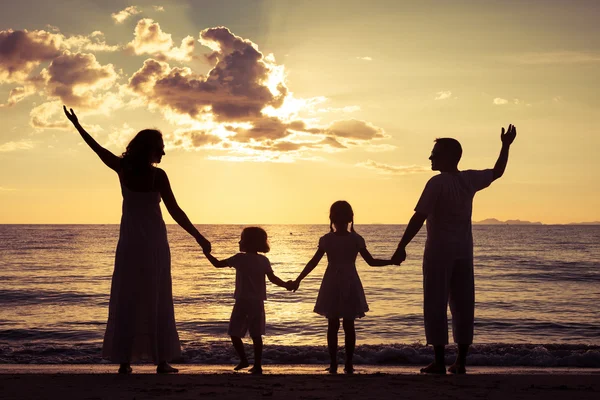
[[499, 354]]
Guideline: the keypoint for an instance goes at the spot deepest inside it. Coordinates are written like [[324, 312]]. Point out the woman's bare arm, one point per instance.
[[109, 159], [162, 182]]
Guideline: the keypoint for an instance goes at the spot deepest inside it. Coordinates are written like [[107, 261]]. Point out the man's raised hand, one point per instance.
[[509, 136]]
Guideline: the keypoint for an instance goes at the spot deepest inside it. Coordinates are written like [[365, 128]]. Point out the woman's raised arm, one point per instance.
[[109, 159]]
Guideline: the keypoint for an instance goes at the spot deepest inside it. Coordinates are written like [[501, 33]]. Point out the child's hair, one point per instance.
[[341, 213], [254, 239]]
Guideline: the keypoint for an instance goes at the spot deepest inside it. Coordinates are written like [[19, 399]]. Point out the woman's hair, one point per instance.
[[341, 213], [141, 148], [254, 239]]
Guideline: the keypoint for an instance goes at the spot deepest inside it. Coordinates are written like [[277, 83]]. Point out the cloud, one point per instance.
[[18, 94], [393, 170], [94, 42], [24, 144], [158, 8], [150, 39], [346, 109], [195, 139], [500, 101], [22, 51], [365, 58], [75, 77], [443, 95], [236, 88], [119, 138], [48, 116], [558, 57], [354, 129], [5, 189], [121, 16], [241, 106]]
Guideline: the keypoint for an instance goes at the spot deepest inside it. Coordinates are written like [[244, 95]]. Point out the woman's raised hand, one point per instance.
[[71, 115]]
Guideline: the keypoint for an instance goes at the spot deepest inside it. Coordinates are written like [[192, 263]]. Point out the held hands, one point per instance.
[[399, 256], [72, 117], [292, 285], [510, 135]]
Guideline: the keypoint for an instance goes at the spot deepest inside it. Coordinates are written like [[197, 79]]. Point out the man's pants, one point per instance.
[[448, 281]]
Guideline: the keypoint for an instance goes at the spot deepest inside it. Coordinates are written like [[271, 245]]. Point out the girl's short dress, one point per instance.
[[341, 294]]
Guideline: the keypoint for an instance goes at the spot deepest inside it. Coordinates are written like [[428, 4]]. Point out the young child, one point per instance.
[[250, 292], [341, 294]]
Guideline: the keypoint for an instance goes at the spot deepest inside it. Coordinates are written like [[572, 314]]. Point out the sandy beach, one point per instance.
[[294, 382]]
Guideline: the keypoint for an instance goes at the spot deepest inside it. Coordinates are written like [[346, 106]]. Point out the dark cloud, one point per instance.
[[73, 77], [201, 138], [235, 89], [22, 51]]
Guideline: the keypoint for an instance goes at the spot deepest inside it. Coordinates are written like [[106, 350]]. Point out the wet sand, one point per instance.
[[294, 382]]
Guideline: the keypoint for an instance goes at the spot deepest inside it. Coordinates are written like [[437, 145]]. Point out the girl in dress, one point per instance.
[[141, 319], [341, 294]]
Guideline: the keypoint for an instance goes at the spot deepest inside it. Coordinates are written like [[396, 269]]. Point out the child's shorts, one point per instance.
[[248, 315]]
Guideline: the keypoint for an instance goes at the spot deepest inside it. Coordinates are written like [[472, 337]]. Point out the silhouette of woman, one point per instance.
[[141, 319]]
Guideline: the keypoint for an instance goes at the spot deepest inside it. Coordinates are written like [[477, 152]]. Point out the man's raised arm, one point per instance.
[[507, 138]]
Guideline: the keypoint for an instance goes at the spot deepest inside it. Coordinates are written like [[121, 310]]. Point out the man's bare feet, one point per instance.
[[256, 370], [457, 369], [165, 368], [243, 364], [349, 369], [434, 368], [332, 369], [125, 369]]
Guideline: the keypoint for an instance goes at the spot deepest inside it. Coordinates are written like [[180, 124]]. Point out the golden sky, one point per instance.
[[272, 110]]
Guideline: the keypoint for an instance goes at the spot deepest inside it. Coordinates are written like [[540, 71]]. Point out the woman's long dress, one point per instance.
[[141, 318]]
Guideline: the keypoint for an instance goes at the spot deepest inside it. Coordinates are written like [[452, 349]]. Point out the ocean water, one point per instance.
[[537, 291]]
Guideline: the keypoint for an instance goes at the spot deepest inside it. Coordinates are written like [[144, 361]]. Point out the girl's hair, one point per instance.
[[254, 239], [141, 148], [341, 213]]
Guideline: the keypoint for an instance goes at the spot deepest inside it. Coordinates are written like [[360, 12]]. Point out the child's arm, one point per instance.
[[312, 264], [373, 262], [217, 263], [276, 280]]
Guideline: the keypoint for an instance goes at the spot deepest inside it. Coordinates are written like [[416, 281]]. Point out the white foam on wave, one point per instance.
[[501, 355]]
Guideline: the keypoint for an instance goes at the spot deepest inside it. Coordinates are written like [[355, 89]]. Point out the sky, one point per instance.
[[273, 110]]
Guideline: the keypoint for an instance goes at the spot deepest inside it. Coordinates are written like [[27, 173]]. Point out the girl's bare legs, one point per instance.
[[238, 345], [350, 342], [333, 328]]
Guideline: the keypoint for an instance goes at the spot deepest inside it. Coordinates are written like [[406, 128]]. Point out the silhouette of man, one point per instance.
[[446, 203]]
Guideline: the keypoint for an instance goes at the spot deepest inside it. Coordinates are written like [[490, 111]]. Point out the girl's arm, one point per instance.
[[109, 159], [162, 182], [312, 264], [373, 262], [276, 280], [215, 262]]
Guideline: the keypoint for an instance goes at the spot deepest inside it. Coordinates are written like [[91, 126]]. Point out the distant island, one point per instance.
[[494, 221]]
